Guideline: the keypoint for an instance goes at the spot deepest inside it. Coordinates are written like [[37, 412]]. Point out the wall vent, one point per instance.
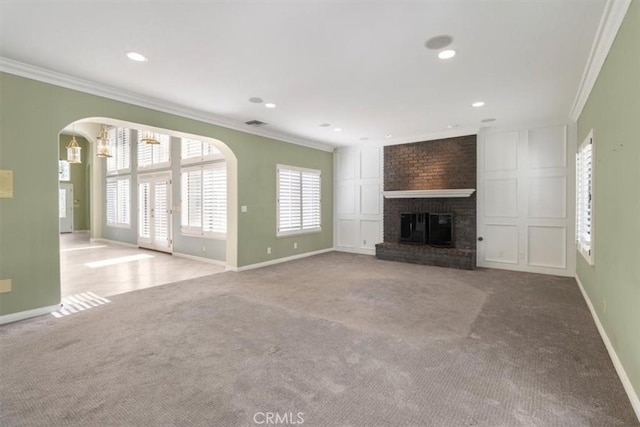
[[255, 123]]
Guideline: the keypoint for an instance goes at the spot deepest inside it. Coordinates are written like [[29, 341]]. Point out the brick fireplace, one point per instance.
[[431, 165]]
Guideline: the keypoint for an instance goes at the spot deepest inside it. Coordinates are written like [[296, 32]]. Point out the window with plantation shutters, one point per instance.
[[118, 203], [204, 200], [119, 142], [299, 201], [151, 156], [194, 150], [584, 198]]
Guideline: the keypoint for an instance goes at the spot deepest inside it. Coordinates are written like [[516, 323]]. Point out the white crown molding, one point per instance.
[[63, 80], [428, 194], [612, 17]]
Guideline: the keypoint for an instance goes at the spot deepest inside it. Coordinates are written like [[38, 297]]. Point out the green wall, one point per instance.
[[33, 113], [613, 112], [80, 174]]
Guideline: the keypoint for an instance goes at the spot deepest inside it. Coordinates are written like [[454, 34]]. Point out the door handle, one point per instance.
[[480, 239]]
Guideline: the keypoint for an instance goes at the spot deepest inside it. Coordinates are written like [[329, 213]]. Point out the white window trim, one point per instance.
[[197, 231], [119, 224], [295, 232], [587, 251]]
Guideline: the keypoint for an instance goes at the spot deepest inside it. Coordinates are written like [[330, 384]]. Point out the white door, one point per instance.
[[65, 206], [154, 213], [526, 200]]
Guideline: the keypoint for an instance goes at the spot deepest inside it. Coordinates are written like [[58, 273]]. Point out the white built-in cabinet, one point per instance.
[[526, 200], [358, 199]]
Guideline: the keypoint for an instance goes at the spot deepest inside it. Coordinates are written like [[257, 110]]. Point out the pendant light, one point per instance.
[[148, 138], [73, 149], [103, 143]]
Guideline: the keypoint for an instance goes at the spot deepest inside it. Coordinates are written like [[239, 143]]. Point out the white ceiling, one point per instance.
[[359, 65]]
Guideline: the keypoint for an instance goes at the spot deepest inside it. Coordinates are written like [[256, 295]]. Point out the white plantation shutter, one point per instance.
[[112, 202], [144, 221], [584, 196], [161, 151], [145, 154], [118, 203], [191, 148], [154, 155], [123, 201], [112, 138], [298, 200], [194, 150], [310, 201], [123, 149], [118, 140], [214, 198], [204, 200], [160, 210]]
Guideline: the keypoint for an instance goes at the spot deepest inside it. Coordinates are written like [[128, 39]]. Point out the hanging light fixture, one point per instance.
[[73, 149], [103, 143], [149, 138]]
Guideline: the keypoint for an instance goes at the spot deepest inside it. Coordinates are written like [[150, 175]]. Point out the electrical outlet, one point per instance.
[[243, 208], [268, 251], [204, 248], [295, 245]]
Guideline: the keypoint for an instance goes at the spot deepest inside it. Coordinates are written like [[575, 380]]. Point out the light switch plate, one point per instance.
[[6, 184], [5, 286], [243, 208]]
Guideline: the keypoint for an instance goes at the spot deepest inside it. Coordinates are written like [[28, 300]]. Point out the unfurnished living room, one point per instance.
[[320, 213]]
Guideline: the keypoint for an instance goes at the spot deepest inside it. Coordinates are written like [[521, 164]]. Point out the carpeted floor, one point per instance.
[[331, 340]]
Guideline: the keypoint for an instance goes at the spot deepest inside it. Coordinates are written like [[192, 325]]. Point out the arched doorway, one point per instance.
[[147, 187]]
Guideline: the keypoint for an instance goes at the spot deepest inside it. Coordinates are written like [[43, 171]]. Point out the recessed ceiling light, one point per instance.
[[337, 129], [488, 120], [255, 100], [135, 56], [452, 126], [363, 138], [388, 136], [447, 54], [439, 42], [325, 125], [477, 104], [270, 105]]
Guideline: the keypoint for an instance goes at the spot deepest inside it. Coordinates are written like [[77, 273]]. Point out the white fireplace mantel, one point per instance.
[[428, 194]]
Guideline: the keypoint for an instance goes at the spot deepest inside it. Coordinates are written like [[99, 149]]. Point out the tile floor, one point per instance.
[[108, 269]]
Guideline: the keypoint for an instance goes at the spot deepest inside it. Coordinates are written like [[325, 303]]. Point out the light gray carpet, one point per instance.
[[343, 339]]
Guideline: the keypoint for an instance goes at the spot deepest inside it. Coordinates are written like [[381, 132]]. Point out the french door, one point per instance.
[[154, 212]]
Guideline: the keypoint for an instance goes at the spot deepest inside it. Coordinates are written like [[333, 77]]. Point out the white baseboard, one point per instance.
[[115, 242], [355, 250], [626, 383], [278, 261], [22, 315], [201, 259]]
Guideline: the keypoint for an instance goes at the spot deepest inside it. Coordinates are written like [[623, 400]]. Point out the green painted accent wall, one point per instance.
[[613, 112], [80, 174], [33, 113]]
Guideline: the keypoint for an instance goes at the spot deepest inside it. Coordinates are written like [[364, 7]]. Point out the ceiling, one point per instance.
[[361, 66]]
